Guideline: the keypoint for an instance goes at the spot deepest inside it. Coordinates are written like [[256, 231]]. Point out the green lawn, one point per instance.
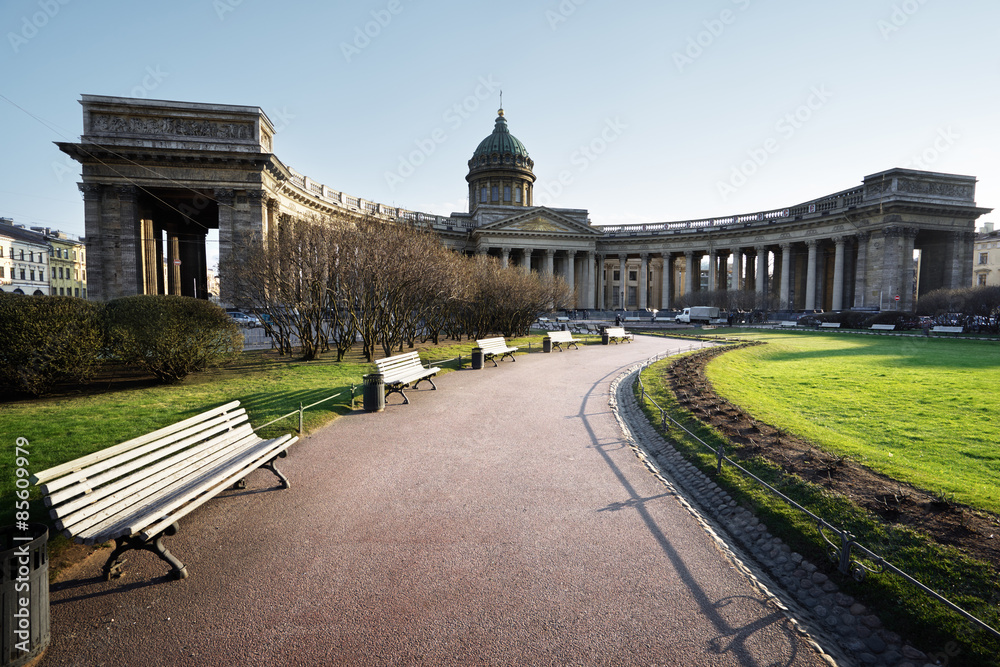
[[64, 428], [923, 411]]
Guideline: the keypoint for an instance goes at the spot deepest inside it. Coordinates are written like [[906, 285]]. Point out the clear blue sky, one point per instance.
[[647, 111]]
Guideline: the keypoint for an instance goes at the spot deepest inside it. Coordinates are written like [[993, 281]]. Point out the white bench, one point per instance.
[[562, 318], [788, 324], [560, 337], [633, 318], [953, 330], [493, 346], [829, 325], [618, 334], [882, 327], [135, 493], [400, 370]]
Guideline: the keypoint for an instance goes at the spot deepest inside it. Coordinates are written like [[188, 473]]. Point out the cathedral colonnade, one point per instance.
[[158, 177]]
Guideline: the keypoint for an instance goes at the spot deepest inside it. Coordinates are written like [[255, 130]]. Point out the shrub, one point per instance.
[[170, 336], [47, 340]]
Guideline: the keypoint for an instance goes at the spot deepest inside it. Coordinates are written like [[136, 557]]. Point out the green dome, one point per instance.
[[500, 142]]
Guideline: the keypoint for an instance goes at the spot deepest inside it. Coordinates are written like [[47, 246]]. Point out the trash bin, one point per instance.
[[546, 344], [25, 592], [477, 358], [374, 396], [605, 338]]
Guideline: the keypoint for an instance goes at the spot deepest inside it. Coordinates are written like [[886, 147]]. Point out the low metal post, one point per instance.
[[459, 362], [720, 454], [663, 419], [300, 418], [846, 540]]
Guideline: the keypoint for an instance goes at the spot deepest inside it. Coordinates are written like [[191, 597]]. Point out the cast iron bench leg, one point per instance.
[[113, 566], [285, 484]]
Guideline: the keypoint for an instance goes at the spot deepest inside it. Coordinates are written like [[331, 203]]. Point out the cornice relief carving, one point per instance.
[[180, 127], [938, 189]]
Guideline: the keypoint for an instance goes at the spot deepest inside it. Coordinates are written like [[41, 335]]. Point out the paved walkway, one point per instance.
[[500, 520]]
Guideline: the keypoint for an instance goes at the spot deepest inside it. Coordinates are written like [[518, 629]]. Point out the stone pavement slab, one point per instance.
[[502, 519]]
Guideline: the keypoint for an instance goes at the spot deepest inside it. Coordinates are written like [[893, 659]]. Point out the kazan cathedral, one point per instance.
[[158, 175]]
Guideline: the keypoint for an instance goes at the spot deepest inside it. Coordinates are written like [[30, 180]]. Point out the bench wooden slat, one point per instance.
[[160, 502], [95, 474], [156, 479], [170, 470], [89, 492], [560, 337], [492, 347], [83, 461], [274, 448], [399, 371], [144, 490]]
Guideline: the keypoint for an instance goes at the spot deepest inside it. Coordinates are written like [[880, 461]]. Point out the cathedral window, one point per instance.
[[506, 193], [517, 195], [496, 193], [482, 195]]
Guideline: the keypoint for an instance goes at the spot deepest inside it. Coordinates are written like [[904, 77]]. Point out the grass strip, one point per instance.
[[902, 607]]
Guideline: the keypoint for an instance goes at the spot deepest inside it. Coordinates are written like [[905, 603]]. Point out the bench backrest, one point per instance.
[[616, 331], [883, 327], [399, 364], [561, 336], [940, 329], [88, 490], [490, 344]]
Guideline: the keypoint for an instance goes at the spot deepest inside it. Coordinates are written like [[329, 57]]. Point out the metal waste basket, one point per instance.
[[25, 593], [477, 358], [605, 338], [374, 393], [546, 344]]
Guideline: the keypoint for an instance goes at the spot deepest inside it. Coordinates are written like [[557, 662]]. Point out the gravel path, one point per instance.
[[502, 519]]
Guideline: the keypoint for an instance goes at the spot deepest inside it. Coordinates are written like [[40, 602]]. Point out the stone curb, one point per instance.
[[814, 603]]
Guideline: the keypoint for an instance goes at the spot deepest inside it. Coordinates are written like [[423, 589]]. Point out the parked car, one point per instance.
[[242, 319]]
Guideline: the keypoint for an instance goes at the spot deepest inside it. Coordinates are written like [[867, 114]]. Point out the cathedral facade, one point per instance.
[[158, 175]]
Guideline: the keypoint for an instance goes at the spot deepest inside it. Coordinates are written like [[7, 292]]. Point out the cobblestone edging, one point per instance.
[[848, 632]]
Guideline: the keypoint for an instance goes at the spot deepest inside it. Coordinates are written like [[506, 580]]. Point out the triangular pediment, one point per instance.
[[539, 220]]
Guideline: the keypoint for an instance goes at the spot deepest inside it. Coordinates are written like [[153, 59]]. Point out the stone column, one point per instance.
[[891, 251], [601, 303], [643, 279], [131, 248], [861, 271], [761, 272], [571, 276], [505, 257], [786, 275], [550, 261], [811, 276], [713, 271], [151, 267], [97, 242], [838, 274], [526, 260], [588, 279], [622, 279], [666, 296], [227, 242], [906, 278], [689, 280], [736, 282]]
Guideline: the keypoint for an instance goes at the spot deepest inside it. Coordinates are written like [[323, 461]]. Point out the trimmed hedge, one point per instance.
[[47, 340], [170, 336]]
